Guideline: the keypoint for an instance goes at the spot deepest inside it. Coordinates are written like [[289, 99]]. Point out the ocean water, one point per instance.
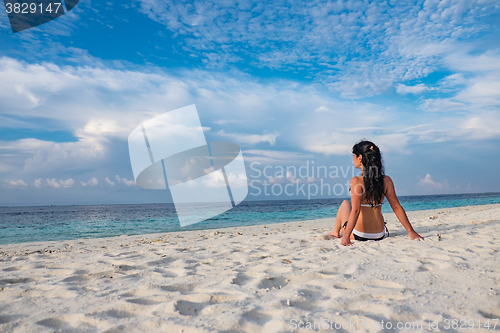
[[49, 223]]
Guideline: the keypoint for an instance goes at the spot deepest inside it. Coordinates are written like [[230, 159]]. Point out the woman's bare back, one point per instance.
[[370, 218]]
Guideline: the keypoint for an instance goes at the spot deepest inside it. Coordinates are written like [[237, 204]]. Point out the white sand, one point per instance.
[[258, 279]]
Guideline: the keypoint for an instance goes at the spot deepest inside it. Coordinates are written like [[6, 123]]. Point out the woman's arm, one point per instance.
[[390, 194], [357, 192]]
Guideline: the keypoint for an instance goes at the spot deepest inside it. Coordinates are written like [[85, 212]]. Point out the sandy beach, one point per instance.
[[284, 277]]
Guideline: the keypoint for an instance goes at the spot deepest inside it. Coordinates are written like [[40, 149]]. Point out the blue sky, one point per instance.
[[290, 82]]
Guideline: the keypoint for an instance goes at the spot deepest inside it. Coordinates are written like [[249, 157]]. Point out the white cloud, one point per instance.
[[251, 139], [322, 108], [429, 184], [288, 179], [355, 48], [464, 62], [443, 104], [21, 90], [93, 182], [476, 85], [110, 182], [214, 180], [237, 180], [52, 156], [485, 126], [341, 142], [416, 89], [393, 142], [361, 129], [328, 147], [124, 181], [15, 184], [276, 155], [278, 180], [274, 108], [103, 127], [5, 168], [227, 121], [54, 88], [60, 183], [128, 182], [482, 91], [358, 48]]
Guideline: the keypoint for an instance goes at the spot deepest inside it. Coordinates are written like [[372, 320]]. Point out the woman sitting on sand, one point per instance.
[[362, 217]]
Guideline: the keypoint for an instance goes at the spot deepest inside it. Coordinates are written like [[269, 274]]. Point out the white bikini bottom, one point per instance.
[[368, 235]]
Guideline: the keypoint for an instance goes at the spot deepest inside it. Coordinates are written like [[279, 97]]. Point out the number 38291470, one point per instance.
[[32, 8]]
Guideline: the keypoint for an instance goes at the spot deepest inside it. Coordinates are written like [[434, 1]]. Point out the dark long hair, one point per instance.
[[373, 170]]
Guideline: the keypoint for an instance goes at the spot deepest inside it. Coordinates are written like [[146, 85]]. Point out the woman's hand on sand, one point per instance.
[[413, 235], [346, 241]]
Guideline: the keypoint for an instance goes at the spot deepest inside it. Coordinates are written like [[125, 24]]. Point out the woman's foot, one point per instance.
[[334, 234]]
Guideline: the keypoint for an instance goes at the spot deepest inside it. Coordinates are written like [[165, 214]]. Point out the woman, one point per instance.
[[362, 217]]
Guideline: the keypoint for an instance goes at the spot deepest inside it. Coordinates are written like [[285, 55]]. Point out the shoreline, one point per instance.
[[390, 218], [408, 210], [263, 200], [257, 278]]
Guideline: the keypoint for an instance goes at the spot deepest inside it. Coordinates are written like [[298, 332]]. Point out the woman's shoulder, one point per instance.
[[357, 185], [357, 180], [387, 182]]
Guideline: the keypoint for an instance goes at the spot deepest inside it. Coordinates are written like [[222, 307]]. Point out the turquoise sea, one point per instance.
[[49, 223]]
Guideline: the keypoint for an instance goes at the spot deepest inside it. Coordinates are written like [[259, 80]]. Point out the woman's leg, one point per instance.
[[342, 216]]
